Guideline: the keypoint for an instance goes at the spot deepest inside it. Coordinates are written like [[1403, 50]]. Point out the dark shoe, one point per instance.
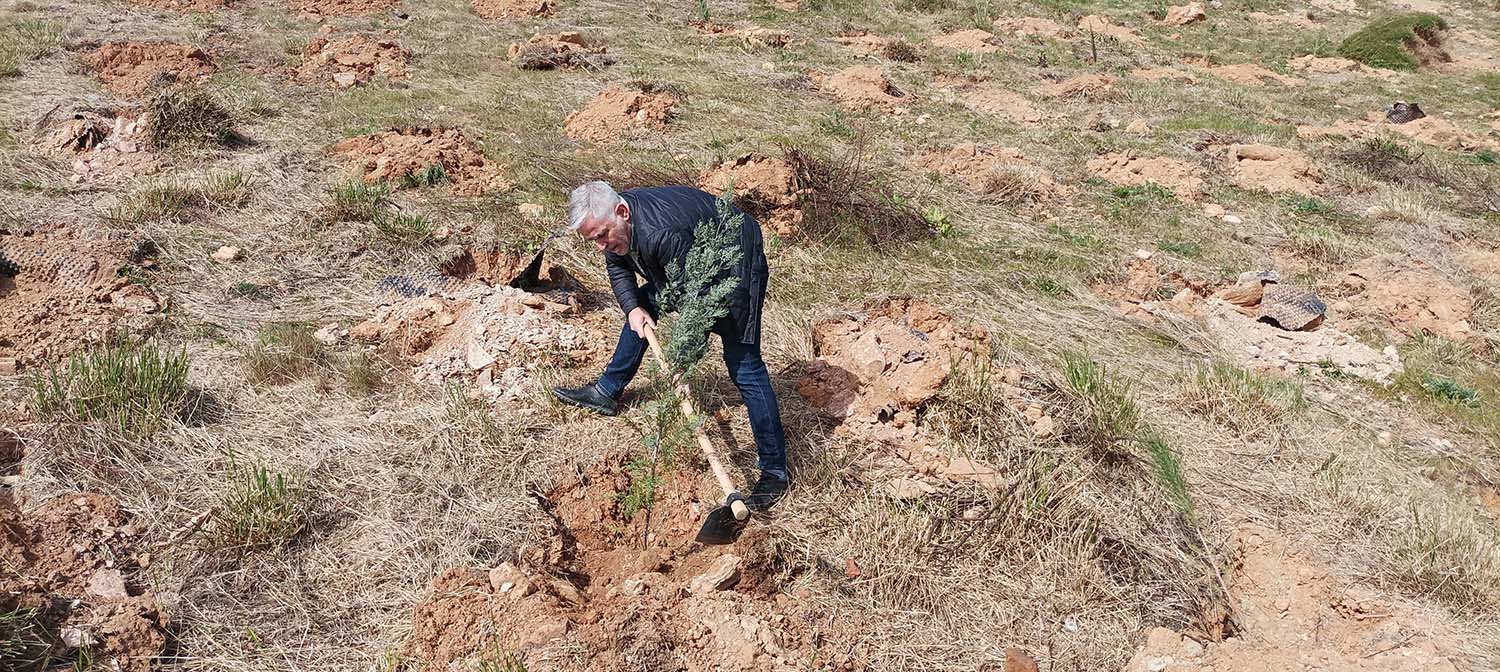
[[588, 397], [768, 490]]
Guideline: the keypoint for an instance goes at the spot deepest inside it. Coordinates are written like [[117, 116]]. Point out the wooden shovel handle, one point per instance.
[[685, 394]]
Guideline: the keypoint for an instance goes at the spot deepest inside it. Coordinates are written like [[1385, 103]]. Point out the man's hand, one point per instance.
[[639, 319]]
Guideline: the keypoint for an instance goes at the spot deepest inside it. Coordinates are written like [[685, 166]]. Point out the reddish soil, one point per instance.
[[1248, 74], [990, 98], [562, 50], [1407, 298], [1032, 27], [1430, 130], [1273, 169], [186, 5], [67, 294], [868, 44], [73, 560], [1122, 168], [351, 61], [861, 87], [617, 113], [766, 187], [508, 9], [971, 41], [1293, 614], [388, 156], [132, 68], [102, 144], [1080, 86], [1182, 15], [1000, 172], [344, 7], [614, 594]]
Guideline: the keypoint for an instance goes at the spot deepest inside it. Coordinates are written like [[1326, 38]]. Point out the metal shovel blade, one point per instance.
[[721, 527], [531, 276]]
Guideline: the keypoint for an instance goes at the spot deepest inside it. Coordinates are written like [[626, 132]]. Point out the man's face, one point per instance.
[[609, 233]]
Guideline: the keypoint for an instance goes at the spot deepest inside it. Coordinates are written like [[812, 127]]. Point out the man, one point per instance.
[[642, 232]]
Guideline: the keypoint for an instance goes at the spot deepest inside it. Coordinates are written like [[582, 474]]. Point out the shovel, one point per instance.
[[531, 276], [724, 523]]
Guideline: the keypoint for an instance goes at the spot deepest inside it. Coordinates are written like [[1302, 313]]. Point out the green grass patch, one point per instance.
[[1241, 400], [402, 230], [1183, 248], [1389, 42], [355, 202], [1167, 468], [260, 510], [132, 387], [1225, 120], [1446, 389], [1105, 404], [21, 642], [430, 176], [172, 200]]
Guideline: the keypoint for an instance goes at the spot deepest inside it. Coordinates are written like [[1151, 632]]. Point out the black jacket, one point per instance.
[[664, 219]]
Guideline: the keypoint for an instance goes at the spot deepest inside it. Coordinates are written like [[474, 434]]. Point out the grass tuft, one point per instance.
[[1241, 400], [284, 352], [1106, 408], [1447, 553], [402, 230], [261, 510], [355, 202], [21, 644], [1395, 42], [133, 387], [188, 116]]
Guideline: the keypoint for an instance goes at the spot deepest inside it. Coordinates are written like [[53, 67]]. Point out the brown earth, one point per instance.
[[767, 187], [1182, 15], [186, 5], [102, 144], [344, 7], [1080, 86], [1471, 51], [861, 87], [998, 100], [73, 559], [566, 50], [132, 68], [1029, 27], [617, 113], [1408, 298], [67, 294], [618, 591], [750, 36], [1126, 169], [971, 41], [494, 336], [1301, 20], [388, 156], [1273, 169], [1293, 614], [1248, 74], [1101, 26], [352, 61], [1430, 130], [999, 172], [868, 44], [1162, 74], [506, 9]]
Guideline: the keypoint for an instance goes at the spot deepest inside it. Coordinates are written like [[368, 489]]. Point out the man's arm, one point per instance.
[[622, 281]]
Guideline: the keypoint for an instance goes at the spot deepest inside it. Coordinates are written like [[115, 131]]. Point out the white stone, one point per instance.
[[722, 575], [1233, 220], [228, 253]]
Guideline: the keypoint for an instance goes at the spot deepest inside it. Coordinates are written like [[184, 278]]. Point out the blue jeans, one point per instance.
[[745, 367]]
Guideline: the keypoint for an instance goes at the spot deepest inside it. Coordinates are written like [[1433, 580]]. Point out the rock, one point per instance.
[[329, 334], [1233, 220], [1213, 210], [503, 574], [1017, 660], [908, 488], [633, 587], [1138, 127], [1383, 438], [531, 210], [1375, 211], [1191, 648], [228, 253], [108, 584], [1143, 254], [75, 637], [722, 575], [567, 592], [345, 79], [477, 357], [1183, 15]]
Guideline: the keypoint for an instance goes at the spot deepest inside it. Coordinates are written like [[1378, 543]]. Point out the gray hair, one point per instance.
[[595, 200]]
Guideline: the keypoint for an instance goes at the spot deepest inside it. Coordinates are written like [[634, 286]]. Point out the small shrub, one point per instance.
[[133, 387], [430, 176], [847, 198], [356, 202], [1105, 404], [901, 50], [1319, 242], [1447, 389], [1396, 42], [500, 660], [9, 62], [188, 116], [261, 510], [284, 352]]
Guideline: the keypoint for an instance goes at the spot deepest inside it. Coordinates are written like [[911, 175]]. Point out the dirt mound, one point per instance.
[[70, 290], [131, 68], [1430, 130], [345, 7], [1292, 615], [73, 561], [1126, 169], [751, 36], [875, 369], [971, 41], [1182, 15], [1162, 74], [567, 50], [1263, 347], [186, 5], [352, 61], [1408, 298], [1303, 20], [998, 100], [1032, 27], [477, 328], [616, 113], [767, 187], [868, 44], [1080, 86], [1101, 26], [389, 156], [102, 143], [861, 87], [1248, 74], [507, 9], [1273, 169], [1330, 65], [999, 172], [617, 590]]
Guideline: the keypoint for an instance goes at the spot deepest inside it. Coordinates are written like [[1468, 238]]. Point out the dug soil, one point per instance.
[[507, 9], [1180, 177], [99, 143], [619, 113], [861, 87], [611, 589], [394, 155], [133, 68], [351, 61], [567, 50], [767, 187], [344, 7]]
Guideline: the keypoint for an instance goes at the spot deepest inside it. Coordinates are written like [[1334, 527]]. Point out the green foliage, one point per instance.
[[1448, 389], [1106, 404], [188, 116], [356, 202], [700, 8], [430, 176], [21, 644], [1183, 248], [249, 290], [1241, 400], [261, 509], [1487, 157], [1383, 43], [402, 230], [133, 387], [1131, 196], [27, 40], [363, 374], [937, 220], [698, 287], [1168, 470], [284, 352], [172, 200]]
